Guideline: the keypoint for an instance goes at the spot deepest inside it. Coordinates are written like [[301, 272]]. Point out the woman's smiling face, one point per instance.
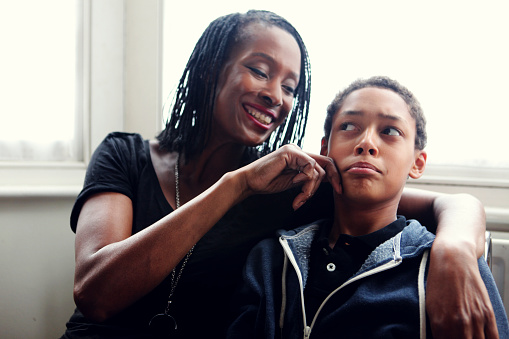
[[256, 87]]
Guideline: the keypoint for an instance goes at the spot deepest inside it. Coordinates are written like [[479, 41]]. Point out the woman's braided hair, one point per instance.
[[189, 124]]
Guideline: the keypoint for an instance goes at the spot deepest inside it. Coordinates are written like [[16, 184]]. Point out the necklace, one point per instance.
[[164, 323]]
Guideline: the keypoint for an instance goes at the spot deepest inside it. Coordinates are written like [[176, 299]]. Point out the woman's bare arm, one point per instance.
[[115, 268], [457, 301], [459, 217]]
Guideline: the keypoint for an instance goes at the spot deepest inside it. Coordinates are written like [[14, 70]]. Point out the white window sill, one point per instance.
[[13, 192], [31, 180]]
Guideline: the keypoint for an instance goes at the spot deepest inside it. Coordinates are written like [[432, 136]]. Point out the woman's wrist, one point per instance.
[[448, 249], [465, 222], [236, 183]]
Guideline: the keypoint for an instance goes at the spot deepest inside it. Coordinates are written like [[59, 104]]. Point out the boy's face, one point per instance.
[[372, 141]]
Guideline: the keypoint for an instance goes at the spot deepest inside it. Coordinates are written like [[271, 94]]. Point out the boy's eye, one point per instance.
[[347, 126], [391, 131]]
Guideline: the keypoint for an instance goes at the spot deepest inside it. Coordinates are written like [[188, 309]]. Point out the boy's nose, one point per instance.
[[367, 144]]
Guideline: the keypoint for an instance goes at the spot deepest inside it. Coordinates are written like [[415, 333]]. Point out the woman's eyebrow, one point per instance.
[[271, 60]]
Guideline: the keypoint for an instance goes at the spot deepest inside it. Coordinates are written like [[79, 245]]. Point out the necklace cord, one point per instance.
[[176, 277]]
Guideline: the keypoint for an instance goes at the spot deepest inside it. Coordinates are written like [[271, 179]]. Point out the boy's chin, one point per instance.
[[364, 188], [363, 195], [369, 197]]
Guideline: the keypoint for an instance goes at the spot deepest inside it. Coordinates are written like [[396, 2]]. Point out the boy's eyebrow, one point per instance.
[[381, 115]]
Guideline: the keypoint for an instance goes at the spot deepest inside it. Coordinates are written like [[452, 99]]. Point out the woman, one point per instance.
[[145, 204]]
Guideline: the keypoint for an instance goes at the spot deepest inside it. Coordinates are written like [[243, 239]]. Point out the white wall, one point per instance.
[[36, 266]]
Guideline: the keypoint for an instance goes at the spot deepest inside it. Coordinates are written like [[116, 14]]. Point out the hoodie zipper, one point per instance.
[[396, 243], [391, 264], [307, 332]]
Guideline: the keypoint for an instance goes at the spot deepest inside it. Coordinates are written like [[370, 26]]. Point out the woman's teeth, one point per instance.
[[260, 117]]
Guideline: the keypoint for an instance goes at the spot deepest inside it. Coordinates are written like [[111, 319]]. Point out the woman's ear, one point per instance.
[[419, 164], [324, 148]]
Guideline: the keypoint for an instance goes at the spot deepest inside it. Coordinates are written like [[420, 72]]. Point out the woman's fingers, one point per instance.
[[287, 167], [310, 186], [290, 166], [331, 171]]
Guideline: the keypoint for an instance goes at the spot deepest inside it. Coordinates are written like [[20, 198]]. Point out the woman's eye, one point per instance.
[[347, 126], [391, 131], [258, 72], [289, 89]]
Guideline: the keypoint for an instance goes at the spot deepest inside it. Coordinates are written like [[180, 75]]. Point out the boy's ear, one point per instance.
[[324, 148], [419, 165]]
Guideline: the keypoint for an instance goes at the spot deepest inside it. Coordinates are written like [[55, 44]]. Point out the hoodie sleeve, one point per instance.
[[496, 300]]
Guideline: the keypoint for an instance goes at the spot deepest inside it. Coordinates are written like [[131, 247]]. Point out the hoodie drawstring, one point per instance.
[[422, 294]]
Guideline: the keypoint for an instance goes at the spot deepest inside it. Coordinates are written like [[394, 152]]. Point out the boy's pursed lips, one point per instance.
[[362, 167]]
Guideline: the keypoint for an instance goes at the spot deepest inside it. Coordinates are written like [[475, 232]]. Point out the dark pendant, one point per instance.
[[163, 324]]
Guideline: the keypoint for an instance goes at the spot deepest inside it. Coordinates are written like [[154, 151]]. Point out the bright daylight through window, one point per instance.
[[38, 66], [452, 55]]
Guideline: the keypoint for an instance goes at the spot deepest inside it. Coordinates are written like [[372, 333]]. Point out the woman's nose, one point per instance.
[[272, 93]]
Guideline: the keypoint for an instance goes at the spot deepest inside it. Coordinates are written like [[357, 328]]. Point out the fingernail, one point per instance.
[[299, 205]]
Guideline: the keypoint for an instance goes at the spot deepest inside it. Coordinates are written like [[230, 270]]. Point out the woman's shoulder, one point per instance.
[[122, 147], [124, 138], [117, 165], [120, 156]]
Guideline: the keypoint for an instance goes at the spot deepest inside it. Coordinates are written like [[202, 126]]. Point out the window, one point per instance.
[[116, 87], [38, 84], [452, 55]]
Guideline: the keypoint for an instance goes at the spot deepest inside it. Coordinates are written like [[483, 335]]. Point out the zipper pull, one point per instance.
[[307, 332]]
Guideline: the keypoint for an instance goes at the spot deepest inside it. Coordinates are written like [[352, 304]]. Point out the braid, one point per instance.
[[189, 125], [185, 131]]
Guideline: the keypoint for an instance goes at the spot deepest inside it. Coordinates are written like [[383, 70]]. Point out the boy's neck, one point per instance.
[[358, 219]]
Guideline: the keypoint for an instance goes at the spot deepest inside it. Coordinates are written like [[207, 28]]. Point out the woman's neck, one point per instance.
[[204, 169]]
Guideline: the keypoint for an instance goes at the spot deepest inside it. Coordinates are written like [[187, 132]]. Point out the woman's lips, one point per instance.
[[260, 115]]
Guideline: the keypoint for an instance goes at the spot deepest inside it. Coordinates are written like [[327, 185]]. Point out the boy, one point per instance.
[[362, 274]]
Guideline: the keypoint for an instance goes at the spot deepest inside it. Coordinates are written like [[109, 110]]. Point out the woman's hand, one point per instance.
[[287, 167], [457, 301], [331, 171]]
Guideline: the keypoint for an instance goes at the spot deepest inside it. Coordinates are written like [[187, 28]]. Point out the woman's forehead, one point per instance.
[[271, 40], [255, 32]]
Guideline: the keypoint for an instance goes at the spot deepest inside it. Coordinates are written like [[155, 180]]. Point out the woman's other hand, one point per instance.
[[457, 301]]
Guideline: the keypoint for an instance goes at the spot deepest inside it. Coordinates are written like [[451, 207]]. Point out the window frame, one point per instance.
[[489, 185], [112, 37]]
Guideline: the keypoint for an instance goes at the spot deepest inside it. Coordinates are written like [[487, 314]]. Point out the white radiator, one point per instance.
[[500, 268]]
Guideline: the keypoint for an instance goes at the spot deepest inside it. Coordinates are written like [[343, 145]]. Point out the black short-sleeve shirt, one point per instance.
[[200, 305]]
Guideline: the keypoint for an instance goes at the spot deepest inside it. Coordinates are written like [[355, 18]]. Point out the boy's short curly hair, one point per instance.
[[414, 107]]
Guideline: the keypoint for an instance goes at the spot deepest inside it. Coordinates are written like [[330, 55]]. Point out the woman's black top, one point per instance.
[[201, 300]]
